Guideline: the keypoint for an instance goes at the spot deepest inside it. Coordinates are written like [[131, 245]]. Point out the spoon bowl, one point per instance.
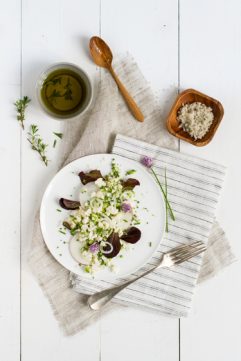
[[100, 52]]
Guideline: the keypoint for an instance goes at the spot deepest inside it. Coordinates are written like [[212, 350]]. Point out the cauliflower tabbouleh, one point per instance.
[[105, 222]]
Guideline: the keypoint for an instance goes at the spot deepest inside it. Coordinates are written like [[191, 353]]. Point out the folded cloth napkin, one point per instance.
[[194, 187], [96, 134]]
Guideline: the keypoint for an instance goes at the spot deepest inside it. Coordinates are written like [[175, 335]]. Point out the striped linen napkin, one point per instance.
[[194, 187]]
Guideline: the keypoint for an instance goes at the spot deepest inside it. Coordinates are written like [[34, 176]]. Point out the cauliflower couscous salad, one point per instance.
[[103, 222]]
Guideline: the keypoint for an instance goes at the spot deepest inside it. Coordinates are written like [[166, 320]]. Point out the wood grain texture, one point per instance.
[[10, 28], [209, 59], [137, 334], [62, 36], [213, 331]]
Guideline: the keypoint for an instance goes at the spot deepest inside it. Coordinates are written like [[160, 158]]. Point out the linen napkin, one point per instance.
[[95, 134], [194, 186]]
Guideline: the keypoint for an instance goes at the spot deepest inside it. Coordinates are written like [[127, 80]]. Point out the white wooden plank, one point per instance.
[[53, 31], [148, 30], [10, 227], [9, 183], [210, 59]]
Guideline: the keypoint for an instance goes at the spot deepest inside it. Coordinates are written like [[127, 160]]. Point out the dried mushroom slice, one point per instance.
[[91, 176], [132, 235], [67, 225], [130, 183], [114, 241], [69, 204]]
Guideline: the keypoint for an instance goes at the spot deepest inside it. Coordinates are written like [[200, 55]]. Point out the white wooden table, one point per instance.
[[185, 43]]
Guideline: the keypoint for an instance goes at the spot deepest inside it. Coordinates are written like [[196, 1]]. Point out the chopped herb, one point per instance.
[[21, 105], [62, 231], [53, 81], [59, 135], [68, 93], [150, 244], [87, 269], [37, 143], [73, 232], [58, 210], [55, 94], [131, 171]]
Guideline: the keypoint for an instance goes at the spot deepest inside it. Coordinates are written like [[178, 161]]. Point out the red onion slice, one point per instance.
[[104, 250]]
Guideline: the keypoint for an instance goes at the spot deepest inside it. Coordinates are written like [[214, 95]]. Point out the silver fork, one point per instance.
[[175, 256]]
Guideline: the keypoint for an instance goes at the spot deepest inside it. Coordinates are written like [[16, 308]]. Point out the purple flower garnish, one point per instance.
[[147, 161], [126, 207], [94, 248]]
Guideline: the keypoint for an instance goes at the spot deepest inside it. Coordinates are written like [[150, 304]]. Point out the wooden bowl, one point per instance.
[[190, 96]]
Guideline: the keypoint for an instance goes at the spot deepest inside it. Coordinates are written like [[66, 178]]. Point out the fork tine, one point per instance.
[[187, 250], [183, 248], [187, 256]]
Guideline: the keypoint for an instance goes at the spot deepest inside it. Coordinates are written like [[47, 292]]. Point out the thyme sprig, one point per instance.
[[21, 105], [37, 143]]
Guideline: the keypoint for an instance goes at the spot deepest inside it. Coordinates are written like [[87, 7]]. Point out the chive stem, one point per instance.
[[164, 194]]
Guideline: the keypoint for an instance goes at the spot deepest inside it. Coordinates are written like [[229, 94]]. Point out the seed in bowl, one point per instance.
[[195, 119]]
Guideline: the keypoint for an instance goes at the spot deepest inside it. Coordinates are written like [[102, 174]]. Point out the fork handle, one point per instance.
[[100, 299]]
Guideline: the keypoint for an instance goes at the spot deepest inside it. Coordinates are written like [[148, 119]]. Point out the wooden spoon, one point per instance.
[[102, 56]]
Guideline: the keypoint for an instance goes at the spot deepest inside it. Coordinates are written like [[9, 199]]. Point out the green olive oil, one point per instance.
[[63, 92]]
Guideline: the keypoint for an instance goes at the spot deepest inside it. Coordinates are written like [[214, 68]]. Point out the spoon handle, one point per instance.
[[135, 110]]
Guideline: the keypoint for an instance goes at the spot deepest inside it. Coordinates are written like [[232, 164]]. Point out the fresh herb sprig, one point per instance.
[[165, 195], [21, 105], [37, 143], [148, 162]]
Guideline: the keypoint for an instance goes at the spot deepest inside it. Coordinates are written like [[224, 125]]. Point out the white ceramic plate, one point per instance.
[[66, 184]]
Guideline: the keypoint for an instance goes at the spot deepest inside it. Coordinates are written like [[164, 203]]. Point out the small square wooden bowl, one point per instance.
[[190, 96]]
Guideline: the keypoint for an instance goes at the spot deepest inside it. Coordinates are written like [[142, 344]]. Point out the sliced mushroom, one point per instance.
[[132, 235], [130, 183], [66, 225], [92, 176], [69, 204], [114, 240]]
